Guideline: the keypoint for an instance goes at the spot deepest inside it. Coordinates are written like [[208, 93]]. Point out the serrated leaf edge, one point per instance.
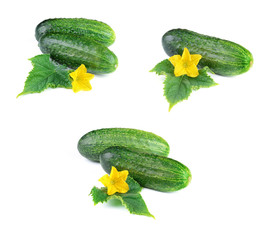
[[50, 85], [116, 196]]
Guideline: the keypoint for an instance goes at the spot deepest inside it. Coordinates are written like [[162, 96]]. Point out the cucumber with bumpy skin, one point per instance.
[[95, 142], [95, 30], [221, 56], [72, 51], [151, 171]]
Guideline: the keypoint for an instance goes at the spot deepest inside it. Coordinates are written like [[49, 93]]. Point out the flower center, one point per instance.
[[185, 65], [112, 182]]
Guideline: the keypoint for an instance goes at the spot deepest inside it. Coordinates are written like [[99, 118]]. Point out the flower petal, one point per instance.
[[111, 189], [81, 69], [175, 59], [186, 55], [195, 58], [81, 85], [114, 173], [179, 70], [122, 187], [75, 87], [192, 71], [88, 76], [105, 180], [73, 75], [123, 175]]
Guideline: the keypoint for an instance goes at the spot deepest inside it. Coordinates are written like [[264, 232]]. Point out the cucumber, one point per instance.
[[72, 51], [95, 30], [221, 56], [150, 171], [95, 142]]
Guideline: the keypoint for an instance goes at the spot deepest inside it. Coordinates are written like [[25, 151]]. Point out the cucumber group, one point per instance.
[[75, 41], [143, 154], [221, 56], [92, 144], [151, 171]]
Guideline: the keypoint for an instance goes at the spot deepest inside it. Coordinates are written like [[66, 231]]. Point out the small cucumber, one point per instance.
[[150, 171], [73, 51], [221, 56], [95, 142], [95, 30]]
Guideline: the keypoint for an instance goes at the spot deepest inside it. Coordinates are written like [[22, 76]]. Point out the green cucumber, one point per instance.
[[221, 56], [150, 171], [72, 51], [95, 142], [96, 30]]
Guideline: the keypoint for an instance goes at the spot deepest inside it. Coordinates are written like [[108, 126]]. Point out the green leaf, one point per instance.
[[202, 81], [134, 203], [132, 200], [207, 69], [45, 74], [176, 89], [99, 195], [134, 186], [163, 67]]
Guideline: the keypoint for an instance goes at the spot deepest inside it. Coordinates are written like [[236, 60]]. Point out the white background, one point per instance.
[[221, 133]]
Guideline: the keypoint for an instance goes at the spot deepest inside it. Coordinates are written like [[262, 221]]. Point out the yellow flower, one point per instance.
[[81, 79], [116, 182], [187, 64]]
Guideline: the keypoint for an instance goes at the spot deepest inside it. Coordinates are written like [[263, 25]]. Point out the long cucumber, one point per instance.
[[72, 51], [223, 57], [93, 29], [92, 144], [149, 170]]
